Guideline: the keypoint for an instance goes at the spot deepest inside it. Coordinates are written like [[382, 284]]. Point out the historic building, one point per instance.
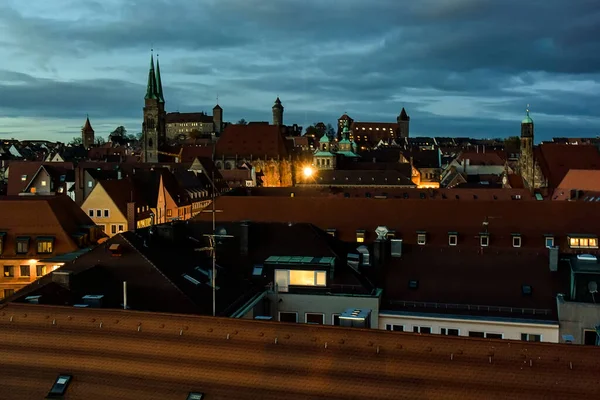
[[369, 134], [528, 167], [180, 125], [87, 134], [154, 125], [277, 113]]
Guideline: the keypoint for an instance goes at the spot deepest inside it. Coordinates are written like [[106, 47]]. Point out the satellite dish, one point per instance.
[[381, 232], [593, 287]]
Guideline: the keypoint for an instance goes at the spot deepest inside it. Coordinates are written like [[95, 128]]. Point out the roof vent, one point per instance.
[[93, 300], [353, 260], [33, 299], [586, 257]]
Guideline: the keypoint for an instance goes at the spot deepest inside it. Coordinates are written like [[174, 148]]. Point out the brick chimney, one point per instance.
[[131, 216]]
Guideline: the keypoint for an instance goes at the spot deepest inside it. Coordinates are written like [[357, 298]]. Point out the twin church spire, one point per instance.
[[154, 88]]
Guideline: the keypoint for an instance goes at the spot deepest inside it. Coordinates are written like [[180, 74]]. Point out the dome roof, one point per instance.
[[527, 119]]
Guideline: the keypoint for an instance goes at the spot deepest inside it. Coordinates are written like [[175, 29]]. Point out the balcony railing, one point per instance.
[[471, 307]]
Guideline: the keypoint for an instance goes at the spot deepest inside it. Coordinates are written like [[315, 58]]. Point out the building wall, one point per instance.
[[575, 318], [41, 184], [10, 285], [100, 200], [327, 304], [175, 129], [510, 330]]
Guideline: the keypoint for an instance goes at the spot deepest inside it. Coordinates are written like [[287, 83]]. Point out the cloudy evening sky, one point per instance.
[[460, 67]]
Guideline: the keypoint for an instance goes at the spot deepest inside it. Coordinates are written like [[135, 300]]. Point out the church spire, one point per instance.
[[159, 92], [151, 88]]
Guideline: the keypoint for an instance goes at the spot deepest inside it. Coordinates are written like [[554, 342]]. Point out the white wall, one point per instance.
[[509, 330]]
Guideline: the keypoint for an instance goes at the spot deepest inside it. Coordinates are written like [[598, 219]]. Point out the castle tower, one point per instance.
[[217, 119], [277, 112], [403, 121], [87, 134], [526, 161], [154, 126]]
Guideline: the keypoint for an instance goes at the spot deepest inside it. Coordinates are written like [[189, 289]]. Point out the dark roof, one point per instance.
[[87, 127], [556, 160], [424, 158], [403, 115], [161, 356], [177, 117], [123, 191], [17, 169], [387, 177], [252, 140], [347, 215]]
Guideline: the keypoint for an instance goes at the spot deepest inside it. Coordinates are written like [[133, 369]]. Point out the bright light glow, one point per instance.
[[308, 171], [33, 261]]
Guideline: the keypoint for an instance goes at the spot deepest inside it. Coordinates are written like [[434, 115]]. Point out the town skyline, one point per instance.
[[366, 61]]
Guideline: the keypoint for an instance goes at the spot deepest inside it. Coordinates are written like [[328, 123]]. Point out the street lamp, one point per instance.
[[308, 171]]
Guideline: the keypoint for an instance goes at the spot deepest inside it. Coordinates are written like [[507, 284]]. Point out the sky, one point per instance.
[[459, 67]]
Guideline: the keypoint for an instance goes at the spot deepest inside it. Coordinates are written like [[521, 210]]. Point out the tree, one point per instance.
[[330, 131], [311, 131], [134, 137], [120, 131], [195, 134], [242, 122], [76, 141], [99, 141], [512, 142]]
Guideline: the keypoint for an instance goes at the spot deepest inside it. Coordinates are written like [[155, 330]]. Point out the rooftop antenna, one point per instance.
[[217, 98]]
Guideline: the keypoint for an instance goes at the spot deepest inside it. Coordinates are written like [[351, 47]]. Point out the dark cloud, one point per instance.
[[462, 67]]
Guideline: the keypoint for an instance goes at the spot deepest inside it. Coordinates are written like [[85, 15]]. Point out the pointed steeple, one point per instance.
[[87, 127], [403, 115], [159, 89], [151, 88]]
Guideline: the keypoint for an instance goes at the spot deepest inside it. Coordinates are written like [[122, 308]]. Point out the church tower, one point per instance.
[[526, 161], [403, 121], [153, 127], [277, 112], [217, 119], [87, 134]]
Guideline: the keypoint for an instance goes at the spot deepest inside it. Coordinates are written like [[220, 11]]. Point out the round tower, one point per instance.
[[277, 112]]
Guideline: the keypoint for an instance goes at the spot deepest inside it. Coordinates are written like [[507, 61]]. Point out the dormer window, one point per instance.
[[331, 231], [484, 240], [421, 238], [549, 241], [23, 178], [583, 241], [360, 236], [516, 240], [22, 244], [452, 238], [45, 244]]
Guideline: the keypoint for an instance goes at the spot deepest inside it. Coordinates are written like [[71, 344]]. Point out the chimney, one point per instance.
[[63, 278], [553, 252], [379, 252], [131, 216], [573, 194], [244, 237], [396, 245]]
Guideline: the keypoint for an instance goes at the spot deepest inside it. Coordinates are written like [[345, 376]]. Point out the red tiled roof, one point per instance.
[[189, 153], [88, 127], [123, 191], [34, 216], [347, 215], [253, 140], [138, 355], [177, 117], [556, 160], [488, 158], [515, 181], [581, 179]]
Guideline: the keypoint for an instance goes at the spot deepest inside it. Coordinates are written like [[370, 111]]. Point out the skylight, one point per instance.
[[526, 289], [195, 396], [60, 386], [257, 271]]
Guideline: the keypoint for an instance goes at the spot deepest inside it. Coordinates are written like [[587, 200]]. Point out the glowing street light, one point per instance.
[[308, 171]]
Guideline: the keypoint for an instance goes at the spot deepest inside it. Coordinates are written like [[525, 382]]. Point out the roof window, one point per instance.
[[526, 290], [413, 284], [484, 240], [60, 387], [452, 238], [421, 238], [360, 236], [195, 396], [516, 240]]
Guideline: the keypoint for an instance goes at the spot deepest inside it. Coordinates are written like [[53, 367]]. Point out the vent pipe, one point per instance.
[[124, 295]]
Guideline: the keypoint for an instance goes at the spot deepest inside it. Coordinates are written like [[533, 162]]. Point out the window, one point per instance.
[[360, 236], [516, 240], [393, 327], [335, 319], [45, 245], [23, 178], [307, 278], [449, 331], [590, 337], [452, 239], [494, 336], [331, 232], [22, 245], [60, 386], [476, 334], [169, 213], [120, 228], [8, 292], [91, 213], [105, 213], [102, 227], [549, 241], [315, 318], [44, 183], [257, 271], [583, 242], [90, 184], [113, 229], [288, 316], [526, 290], [484, 240], [421, 238], [9, 271], [422, 329], [25, 271], [195, 396], [40, 270], [99, 213], [529, 337], [413, 284]]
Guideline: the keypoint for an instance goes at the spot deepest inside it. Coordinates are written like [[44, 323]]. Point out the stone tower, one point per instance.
[[87, 134], [154, 127], [403, 121], [526, 161], [217, 120], [277, 112]]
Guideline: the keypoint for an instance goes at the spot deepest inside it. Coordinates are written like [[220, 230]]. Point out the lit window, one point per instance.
[[549, 241], [45, 245], [360, 236], [421, 237], [43, 183], [484, 240], [516, 240], [583, 242], [22, 245], [23, 177], [9, 271], [40, 270], [90, 184], [452, 239]]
